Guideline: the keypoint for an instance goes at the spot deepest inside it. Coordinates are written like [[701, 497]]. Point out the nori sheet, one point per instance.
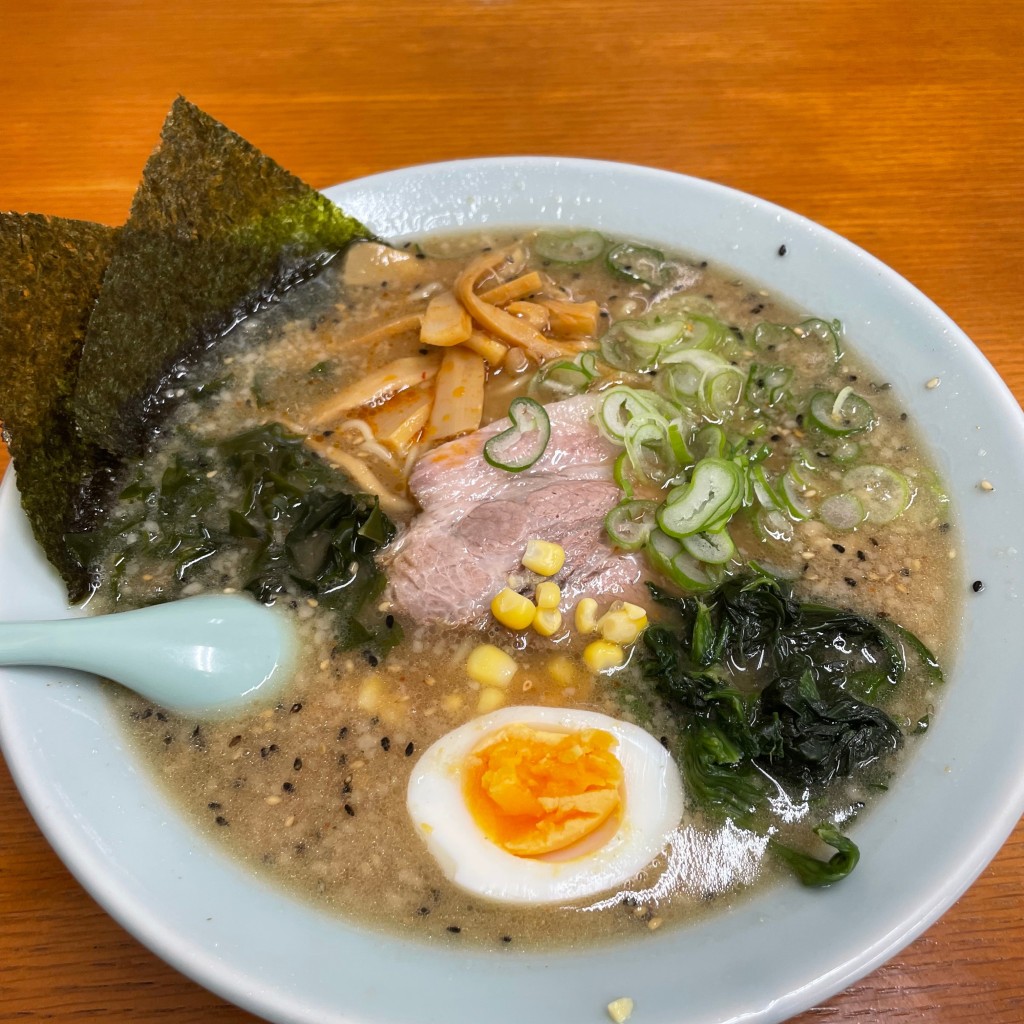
[[216, 231], [50, 274]]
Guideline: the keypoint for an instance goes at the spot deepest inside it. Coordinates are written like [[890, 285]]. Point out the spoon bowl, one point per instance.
[[206, 655]]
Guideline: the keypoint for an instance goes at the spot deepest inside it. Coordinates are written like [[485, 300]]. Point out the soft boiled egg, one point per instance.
[[544, 805]]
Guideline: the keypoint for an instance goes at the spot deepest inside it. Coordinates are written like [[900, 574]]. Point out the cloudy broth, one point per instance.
[[311, 792]]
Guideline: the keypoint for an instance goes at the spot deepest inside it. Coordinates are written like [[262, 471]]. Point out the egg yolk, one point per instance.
[[532, 791]]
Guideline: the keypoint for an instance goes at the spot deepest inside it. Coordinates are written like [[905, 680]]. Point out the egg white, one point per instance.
[[652, 807]]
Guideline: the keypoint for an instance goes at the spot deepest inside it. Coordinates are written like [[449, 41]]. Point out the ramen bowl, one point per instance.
[[760, 960]]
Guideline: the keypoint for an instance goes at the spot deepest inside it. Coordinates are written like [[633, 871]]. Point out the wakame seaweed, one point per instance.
[[294, 522], [805, 722]]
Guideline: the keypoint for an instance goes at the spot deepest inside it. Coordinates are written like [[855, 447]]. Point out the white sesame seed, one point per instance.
[[933, 384], [986, 486]]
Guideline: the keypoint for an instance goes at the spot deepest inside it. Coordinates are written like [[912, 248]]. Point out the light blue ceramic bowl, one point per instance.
[[772, 956]]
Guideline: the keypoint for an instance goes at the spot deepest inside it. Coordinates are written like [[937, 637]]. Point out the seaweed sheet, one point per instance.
[[51, 274], [216, 231]]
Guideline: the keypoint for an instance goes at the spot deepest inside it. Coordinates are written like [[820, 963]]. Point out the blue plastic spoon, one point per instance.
[[201, 655]]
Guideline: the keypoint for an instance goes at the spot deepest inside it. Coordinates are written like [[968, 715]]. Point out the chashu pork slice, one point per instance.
[[467, 542]]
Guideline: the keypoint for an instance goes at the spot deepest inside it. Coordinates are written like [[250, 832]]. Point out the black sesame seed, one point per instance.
[[168, 738], [421, 255], [799, 419], [977, 586], [874, 542], [296, 708], [287, 787], [663, 740], [350, 810], [850, 581], [409, 748], [904, 571], [385, 743], [147, 713], [297, 764], [389, 621], [343, 759], [424, 351], [782, 250], [944, 527], [221, 820], [840, 548], [903, 417], [454, 929], [342, 732], [861, 557], [776, 437], [506, 938], [371, 659], [161, 717], [235, 740], [423, 911], [346, 787], [264, 751], [213, 805]]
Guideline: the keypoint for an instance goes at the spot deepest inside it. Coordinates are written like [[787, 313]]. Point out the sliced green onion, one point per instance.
[[716, 547], [826, 332], [650, 451], [567, 376], [638, 263], [678, 428], [666, 555], [767, 385], [630, 523], [764, 491], [660, 332], [714, 493], [522, 444], [622, 405], [721, 390], [884, 493], [773, 524], [842, 511], [794, 487], [710, 443], [845, 451], [623, 473], [569, 246], [842, 414]]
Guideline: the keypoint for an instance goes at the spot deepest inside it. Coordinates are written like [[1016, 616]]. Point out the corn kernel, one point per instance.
[[586, 615], [547, 621], [491, 698], [512, 609], [544, 557], [491, 666], [620, 1010], [618, 627], [602, 655], [634, 611], [562, 670], [547, 595]]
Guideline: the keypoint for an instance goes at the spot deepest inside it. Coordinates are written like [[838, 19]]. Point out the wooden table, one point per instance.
[[899, 125]]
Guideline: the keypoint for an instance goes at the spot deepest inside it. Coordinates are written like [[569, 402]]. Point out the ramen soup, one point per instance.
[[641, 617]]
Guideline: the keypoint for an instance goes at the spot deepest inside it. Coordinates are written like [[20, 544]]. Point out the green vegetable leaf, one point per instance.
[[814, 872]]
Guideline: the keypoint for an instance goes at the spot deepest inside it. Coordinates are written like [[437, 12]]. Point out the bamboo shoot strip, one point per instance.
[[445, 322], [376, 387], [458, 397], [496, 321]]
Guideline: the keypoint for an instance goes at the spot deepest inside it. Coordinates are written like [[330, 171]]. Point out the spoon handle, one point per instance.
[[65, 643]]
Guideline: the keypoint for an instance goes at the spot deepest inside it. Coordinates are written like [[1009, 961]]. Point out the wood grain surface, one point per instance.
[[898, 124]]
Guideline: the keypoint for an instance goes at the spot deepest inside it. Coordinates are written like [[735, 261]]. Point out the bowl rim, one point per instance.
[[24, 736]]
